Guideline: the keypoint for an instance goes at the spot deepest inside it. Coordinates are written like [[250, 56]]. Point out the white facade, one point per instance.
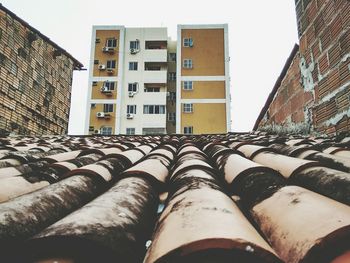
[[144, 78]]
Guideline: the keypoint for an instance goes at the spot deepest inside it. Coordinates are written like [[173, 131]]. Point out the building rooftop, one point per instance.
[[251, 197]]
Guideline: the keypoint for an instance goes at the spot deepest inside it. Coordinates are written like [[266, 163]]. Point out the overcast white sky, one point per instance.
[[261, 36]]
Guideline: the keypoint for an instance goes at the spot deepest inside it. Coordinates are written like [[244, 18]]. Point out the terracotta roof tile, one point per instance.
[[299, 232], [210, 198], [115, 225]]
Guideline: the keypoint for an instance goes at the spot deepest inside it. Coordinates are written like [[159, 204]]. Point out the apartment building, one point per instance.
[[35, 79], [202, 82], [139, 81]]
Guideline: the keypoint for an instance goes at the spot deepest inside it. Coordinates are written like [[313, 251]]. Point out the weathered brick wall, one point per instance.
[[35, 81], [324, 71], [287, 110]]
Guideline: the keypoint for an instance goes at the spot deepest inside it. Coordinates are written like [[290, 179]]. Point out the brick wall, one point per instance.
[[314, 95], [35, 80]]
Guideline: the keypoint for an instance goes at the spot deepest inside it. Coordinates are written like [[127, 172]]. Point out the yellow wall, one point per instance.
[[206, 118], [97, 94], [104, 56], [99, 122], [207, 53], [205, 90]]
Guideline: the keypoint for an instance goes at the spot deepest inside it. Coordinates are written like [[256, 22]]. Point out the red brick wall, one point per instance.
[[318, 80], [288, 104]]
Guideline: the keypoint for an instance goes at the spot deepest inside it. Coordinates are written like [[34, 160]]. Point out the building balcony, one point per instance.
[[155, 55], [155, 76], [158, 98], [154, 120]]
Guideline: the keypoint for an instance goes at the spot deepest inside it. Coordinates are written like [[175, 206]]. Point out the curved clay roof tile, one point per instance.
[[62, 156], [195, 218], [250, 150], [286, 165], [112, 228], [297, 221], [149, 167]]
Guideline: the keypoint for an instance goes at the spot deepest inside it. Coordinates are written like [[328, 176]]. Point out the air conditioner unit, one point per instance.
[[129, 116], [110, 70], [108, 49], [133, 51], [105, 89], [131, 94], [101, 67], [100, 114]]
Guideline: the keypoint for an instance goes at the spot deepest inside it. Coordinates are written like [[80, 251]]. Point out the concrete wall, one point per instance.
[[314, 95]]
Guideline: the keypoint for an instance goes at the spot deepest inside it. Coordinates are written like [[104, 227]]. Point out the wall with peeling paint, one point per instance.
[[314, 96]]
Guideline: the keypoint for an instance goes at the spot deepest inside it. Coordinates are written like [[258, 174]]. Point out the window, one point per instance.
[[172, 76], [107, 107], [188, 130], [131, 109], [106, 130], [188, 107], [93, 105], [155, 44], [110, 63], [188, 63], [172, 95], [188, 42], [111, 42], [153, 109], [96, 62], [152, 89], [132, 87], [130, 131], [97, 40], [152, 66], [172, 57], [171, 116], [135, 45], [109, 85], [188, 85], [132, 65], [94, 83]]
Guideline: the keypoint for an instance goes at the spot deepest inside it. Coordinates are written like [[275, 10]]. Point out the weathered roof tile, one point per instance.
[[229, 197]]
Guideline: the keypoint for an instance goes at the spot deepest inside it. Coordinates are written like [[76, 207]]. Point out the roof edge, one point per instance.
[[276, 86], [77, 65]]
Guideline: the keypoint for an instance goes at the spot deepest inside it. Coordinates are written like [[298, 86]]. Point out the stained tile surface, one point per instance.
[[237, 197]]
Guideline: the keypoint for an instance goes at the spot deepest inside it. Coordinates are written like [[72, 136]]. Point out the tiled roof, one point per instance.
[[248, 197]]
